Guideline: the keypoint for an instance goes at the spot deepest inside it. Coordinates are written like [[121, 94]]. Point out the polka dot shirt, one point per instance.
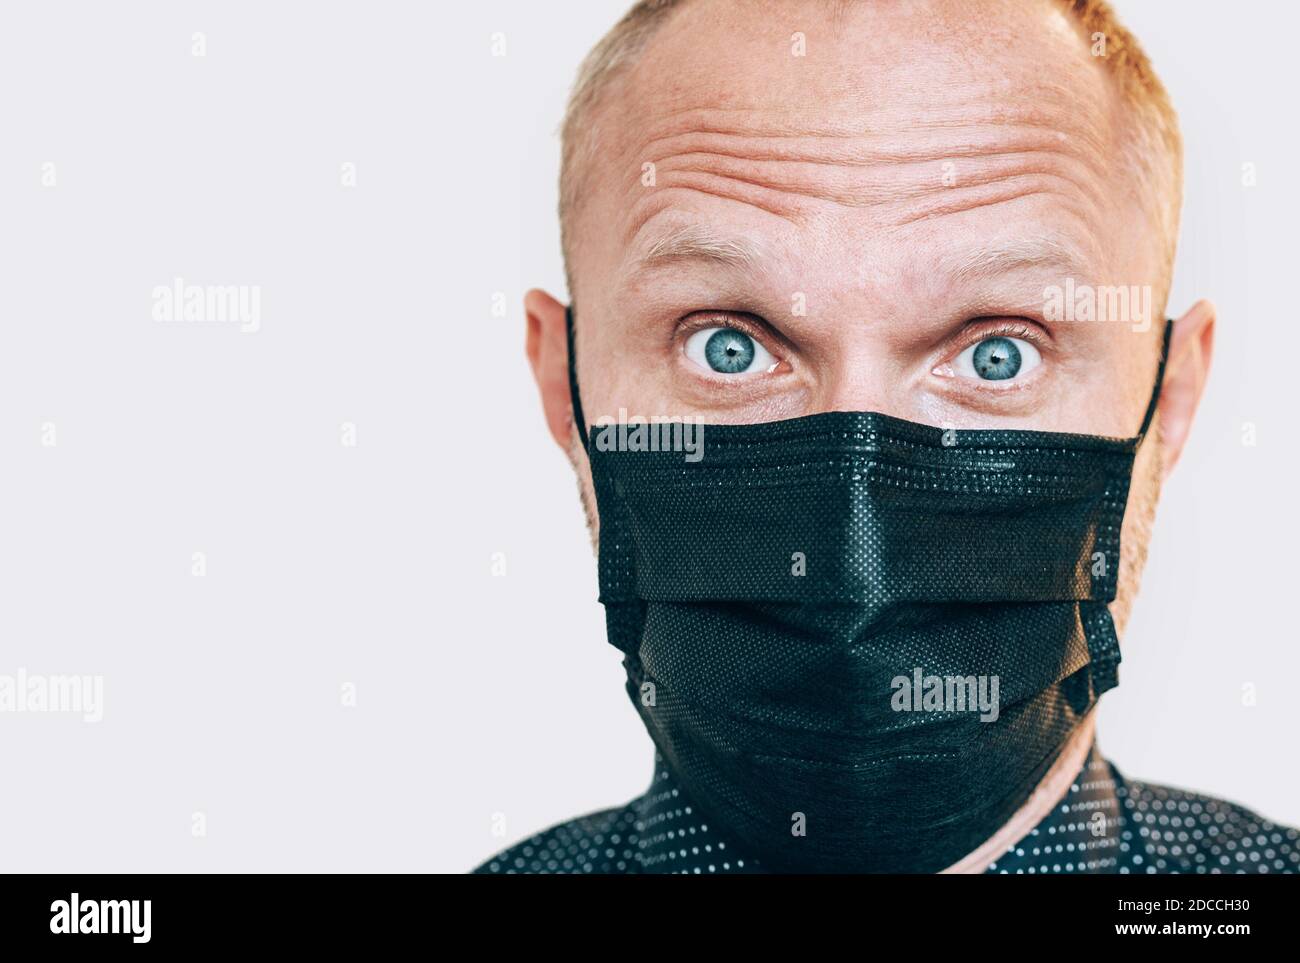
[[1104, 824]]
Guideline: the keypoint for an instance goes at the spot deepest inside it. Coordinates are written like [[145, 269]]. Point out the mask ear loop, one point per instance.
[[579, 420], [1160, 380]]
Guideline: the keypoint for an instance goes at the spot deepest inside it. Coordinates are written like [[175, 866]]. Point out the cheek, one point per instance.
[[586, 490], [623, 402], [1139, 517]]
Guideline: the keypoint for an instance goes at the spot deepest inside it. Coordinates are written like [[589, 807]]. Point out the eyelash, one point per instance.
[[1012, 329], [722, 319]]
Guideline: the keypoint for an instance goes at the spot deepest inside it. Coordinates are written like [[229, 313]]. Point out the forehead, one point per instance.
[[831, 128], [868, 54]]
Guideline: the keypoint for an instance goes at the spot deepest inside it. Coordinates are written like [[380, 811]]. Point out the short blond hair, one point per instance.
[[1155, 145]]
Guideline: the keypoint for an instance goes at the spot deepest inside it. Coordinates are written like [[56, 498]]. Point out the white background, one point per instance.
[[476, 695]]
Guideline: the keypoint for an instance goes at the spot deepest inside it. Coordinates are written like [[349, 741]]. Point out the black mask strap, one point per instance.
[[579, 420], [1160, 380]]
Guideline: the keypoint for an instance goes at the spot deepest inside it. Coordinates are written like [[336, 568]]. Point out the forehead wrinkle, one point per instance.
[[788, 128], [866, 152], [645, 205], [781, 171], [797, 204], [1003, 192], [888, 185]]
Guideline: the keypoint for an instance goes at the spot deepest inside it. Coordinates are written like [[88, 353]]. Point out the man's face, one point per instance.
[[861, 220]]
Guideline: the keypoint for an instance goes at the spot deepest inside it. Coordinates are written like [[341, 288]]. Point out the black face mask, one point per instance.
[[860, 642]]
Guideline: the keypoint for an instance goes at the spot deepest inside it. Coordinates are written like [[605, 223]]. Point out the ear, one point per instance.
[[1190, 348], [547, 346]]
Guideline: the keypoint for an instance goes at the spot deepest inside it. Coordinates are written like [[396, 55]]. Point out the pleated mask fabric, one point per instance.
[[858, 641]]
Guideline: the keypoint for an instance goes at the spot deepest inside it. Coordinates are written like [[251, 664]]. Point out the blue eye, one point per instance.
[[997, 359], [728, 351]]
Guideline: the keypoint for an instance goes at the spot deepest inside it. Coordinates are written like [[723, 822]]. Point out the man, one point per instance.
[[921, 234]]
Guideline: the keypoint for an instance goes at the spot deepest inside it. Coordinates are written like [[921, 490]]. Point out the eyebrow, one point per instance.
[[700, 243], [1032, 252], [697, 242]]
